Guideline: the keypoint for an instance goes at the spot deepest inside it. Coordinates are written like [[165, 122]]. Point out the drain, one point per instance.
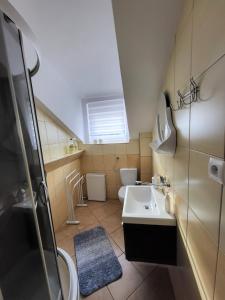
[[146, 207]]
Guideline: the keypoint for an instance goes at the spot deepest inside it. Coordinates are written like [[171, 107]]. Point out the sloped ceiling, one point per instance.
[[145, 35], [77, 40]]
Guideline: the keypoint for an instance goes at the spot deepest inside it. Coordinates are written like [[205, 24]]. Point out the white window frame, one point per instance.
[[104, 139]]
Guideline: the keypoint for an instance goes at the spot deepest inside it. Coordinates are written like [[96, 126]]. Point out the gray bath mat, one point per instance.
[[97, 263]]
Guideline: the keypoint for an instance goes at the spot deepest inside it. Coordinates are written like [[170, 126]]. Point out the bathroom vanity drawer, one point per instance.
[[150, 243]]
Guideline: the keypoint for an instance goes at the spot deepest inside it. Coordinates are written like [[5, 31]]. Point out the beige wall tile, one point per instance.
[[110, 162], [121, 149], [204, 194], [222, 224], [145, 134], [76, 164], [98, 163], [54, 151], [52, 134], [203, 252], [43, 133], [40, 115], [159, 164], [51, 181], [208, 33], [96, 149], [181, 120], [181, 165], [207, 125], [199, 42], [46, 153], [220, 277], [133, 161], [62, 136], [111, 185], [146, 177], [54, 138], [133, 147], [109, 149], [145, 149], [181, 211], [121, 161], [163, 165], [146, 164], [87, 163], [169, 171]]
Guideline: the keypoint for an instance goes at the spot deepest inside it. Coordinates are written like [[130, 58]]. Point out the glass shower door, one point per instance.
[[33, 153], [22, 272]]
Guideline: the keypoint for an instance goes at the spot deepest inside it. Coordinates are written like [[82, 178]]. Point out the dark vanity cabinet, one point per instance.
[[150, 243]]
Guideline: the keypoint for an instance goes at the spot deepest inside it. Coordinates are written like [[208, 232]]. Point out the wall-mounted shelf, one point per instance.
[[56, 163], [164, 137]]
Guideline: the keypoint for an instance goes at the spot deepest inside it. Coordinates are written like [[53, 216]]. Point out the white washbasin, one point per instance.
[[145, 205]]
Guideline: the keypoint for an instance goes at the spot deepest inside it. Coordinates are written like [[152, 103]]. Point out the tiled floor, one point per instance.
[[140, 281]]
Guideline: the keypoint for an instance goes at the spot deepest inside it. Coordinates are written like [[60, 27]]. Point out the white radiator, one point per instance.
[[96, 189]]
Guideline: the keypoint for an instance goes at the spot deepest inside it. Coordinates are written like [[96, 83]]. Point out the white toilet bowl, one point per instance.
[[121, 193], [128, 176]]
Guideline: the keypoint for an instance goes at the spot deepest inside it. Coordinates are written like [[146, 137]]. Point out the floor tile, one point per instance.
[[157, 286], [66, 231], [74, 260], [92, 205], [86, 218], [144, 268], [118, 237], [128, 283], [116, 248], [102, 294], [112, 222], [105, 211], [68, 245], [89, 227]]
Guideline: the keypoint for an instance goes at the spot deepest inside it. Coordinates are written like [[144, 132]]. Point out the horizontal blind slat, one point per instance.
[[107, 120]]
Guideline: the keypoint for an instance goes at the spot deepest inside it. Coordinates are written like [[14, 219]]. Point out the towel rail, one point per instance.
[[74, 187]]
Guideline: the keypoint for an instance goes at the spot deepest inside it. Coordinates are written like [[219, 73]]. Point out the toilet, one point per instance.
[[128, 176]]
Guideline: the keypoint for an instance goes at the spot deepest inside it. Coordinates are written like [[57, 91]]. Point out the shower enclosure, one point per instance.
[[28, 256]]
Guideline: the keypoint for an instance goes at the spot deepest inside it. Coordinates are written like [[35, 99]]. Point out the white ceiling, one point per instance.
[[77, 37]]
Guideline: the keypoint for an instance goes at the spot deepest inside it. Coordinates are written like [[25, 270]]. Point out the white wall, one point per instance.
[[145, 34], [80, 58], [78, 43], [54, 92]]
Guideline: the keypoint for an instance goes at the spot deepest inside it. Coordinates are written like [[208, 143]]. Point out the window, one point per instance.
[[107, 121]]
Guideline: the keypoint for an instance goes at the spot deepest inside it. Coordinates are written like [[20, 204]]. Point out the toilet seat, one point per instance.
[[121, 193]]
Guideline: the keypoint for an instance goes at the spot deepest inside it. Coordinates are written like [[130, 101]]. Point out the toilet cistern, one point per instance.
[[128, 176]]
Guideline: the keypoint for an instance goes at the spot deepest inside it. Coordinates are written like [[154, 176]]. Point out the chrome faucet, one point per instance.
[[163, 182]]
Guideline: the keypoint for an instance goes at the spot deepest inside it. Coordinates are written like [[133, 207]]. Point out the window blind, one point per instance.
[[107, 121]]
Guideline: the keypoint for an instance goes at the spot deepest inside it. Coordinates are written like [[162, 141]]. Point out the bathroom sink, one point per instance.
[[145, 205]]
